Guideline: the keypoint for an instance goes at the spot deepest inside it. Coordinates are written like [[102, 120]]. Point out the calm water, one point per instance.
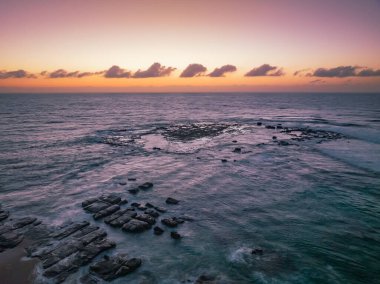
[[313, 207]]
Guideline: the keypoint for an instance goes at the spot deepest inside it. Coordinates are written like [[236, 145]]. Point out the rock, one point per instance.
[[89, 279], [283, 143], [141, 207], [122, 183], [274, 137], [114, 267], [89, 201], [136, 226], [146, 218], [107, 211], [279, 126], [22, 222], [96, 206], [259, 123], [110, 198], [156, 148], [206, 279], [67, 231], [3, 215], [146, 185], [270, 127], [158, 231], [132, 179], [149, 205], [170, 200], [234, 141], [114, 216], [133, 190], [175, 235], [160, 209], [152, 212], [237, 150], [135, 204], [172, 222], [224, 160], [123, 201], [257, 251], [125, 218], [10, 240]]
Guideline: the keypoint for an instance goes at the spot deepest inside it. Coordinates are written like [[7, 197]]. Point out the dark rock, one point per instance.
[[10, 240], [122, 183], [136, 226], [172, 222], [149, 205], [206, 279], [125, 218], [22, 222], [160, 209], [133, 190], [3, 215], [152, 212], [270, 127], [237, 150], [141, 207], [132, 179], [96, 206], [146, 218], [283, 143], [158, 231], [274, 137], [85, 231], [257, 251], [89, 279], [170, 200], [111, 198], [89, 201], [135, 204], [114, 267], [156, 148], [114, 216], [234, 141], [67, 231], [279, 126], [175, 235], [106, 212], [146, 185], [224, 160], [259, 123]]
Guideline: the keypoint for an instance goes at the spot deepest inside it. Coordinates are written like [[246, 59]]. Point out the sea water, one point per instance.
[[313, 206]]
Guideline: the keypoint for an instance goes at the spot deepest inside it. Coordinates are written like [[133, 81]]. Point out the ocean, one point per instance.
[[293, 200]]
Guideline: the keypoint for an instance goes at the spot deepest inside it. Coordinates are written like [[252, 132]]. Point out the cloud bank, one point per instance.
[[117, 72], [193, 70], [16, 74], [265, 70], [219, 72], [344, 71], [61, 73], [156, 70]]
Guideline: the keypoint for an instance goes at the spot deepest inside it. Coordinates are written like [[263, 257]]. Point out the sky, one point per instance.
[[189, 45]]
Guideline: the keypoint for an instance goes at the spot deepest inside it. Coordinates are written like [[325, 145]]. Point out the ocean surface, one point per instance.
[[312, 205]]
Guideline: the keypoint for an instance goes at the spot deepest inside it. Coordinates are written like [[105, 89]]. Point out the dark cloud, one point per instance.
[[219, 72], [156, 70], [61, 73], [318, 81], [369, 73], [193, 70], [16, 74], [340, 72], [300, 72], [117, 72], [265, 70], [344, 72]]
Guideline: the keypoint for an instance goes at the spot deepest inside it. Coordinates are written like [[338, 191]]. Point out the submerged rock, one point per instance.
[[171, 200], [175, 235], [107, 211], [146, 218], [133, 190], [3, 215], [146, 185], [10, 240], [206, 279], [136, 226], [237, 150], [158, 230], [257, 251], [172, 222], [113, 267]]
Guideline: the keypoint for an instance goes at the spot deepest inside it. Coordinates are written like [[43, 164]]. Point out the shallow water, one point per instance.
[[312, 206]]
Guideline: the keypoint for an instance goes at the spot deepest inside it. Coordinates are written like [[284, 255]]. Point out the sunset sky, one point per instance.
[[189, 45]]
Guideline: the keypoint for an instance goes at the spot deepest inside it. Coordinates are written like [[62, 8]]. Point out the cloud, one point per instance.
[[265, 70], [156, 70], [344, 72], [300, 72], [193, 70], [219, 72], [369, 73], [61, 73], [16, 74], [117, 72], [318, 81]]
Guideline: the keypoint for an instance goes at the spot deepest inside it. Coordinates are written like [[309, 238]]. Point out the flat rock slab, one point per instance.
[[114, 267], [136, 226]]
